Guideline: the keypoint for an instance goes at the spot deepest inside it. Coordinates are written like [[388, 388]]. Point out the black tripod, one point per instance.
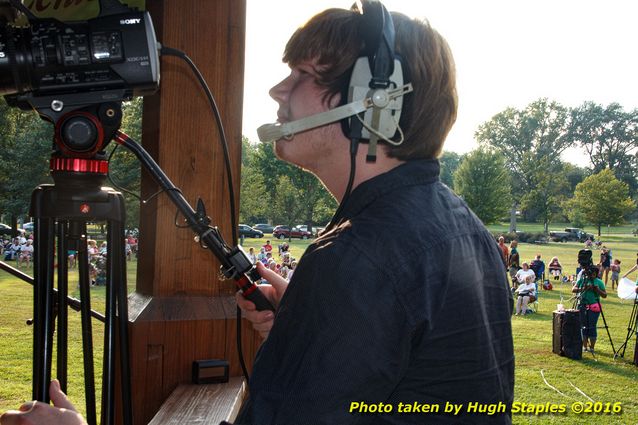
[[578, 304], [62, 211], [631, 329], [77, 198]]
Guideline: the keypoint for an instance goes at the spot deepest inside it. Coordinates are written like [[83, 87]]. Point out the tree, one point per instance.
[[574, 175], [484, 183], [602, 199], [449, 163], [286, 207], [546, 197], [124, 167], [26, 142], [610, 138], [254, 202], [316, 204], [532, 141], [313, 199], [569, 177]]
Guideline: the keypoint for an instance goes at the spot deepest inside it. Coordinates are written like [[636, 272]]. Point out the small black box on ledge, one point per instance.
[[213, 371]]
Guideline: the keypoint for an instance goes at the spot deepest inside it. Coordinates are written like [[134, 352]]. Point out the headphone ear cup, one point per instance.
[[383, 121]]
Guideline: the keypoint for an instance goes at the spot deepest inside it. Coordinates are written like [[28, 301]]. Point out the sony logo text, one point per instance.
[[130, 21]]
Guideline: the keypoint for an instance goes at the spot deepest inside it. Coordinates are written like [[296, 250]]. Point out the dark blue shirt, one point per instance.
[[404, 301]]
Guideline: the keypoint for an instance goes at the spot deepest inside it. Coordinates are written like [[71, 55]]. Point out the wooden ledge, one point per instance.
[[202, 404]]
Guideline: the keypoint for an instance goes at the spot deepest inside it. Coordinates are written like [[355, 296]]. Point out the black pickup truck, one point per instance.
[[570, 234]]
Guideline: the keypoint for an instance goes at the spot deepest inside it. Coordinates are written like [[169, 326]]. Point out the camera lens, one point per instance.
[[48, 57], [6, 79], [15, 75]]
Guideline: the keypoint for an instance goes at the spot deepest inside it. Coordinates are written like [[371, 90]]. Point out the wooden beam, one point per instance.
[[181, 310], [181, 133], [202, 404]]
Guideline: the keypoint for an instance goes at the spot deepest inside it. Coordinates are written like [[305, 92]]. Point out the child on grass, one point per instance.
[[615, 273]]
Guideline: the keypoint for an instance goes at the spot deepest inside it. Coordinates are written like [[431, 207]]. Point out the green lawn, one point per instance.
[[606, 380]]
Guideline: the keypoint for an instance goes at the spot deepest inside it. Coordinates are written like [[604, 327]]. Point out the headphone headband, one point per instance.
[[378, 36], [375, 73]]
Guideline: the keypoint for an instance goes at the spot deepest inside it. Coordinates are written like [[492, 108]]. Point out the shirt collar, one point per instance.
[[410, 173]]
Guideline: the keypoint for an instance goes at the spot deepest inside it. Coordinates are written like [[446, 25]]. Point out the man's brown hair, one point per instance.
[[333, 39]]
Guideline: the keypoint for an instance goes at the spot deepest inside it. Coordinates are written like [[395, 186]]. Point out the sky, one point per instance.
[[508, 53]]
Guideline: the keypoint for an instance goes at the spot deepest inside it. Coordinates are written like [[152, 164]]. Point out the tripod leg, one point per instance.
[[606, 328], [63, 314], [117, 277], [631, 330], [43, 305], [116, 298], [108, 368], [87, 333]]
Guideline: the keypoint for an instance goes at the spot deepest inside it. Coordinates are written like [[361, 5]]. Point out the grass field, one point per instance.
[[605, 381]]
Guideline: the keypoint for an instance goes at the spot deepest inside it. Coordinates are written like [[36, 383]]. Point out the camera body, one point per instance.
[[48, 56], [590, 271], [116, 55], [76, 74]]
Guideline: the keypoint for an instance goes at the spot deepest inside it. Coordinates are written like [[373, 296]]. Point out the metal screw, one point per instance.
[[57, 105]]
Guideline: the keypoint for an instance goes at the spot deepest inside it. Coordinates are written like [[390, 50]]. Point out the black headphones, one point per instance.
[[376, 72]]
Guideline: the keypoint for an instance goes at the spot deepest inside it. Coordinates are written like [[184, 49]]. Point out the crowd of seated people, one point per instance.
[[284, 264], [18, 249], [527, 278]]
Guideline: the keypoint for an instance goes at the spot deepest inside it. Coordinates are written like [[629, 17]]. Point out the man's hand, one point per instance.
[[263, 320], [37, 413]]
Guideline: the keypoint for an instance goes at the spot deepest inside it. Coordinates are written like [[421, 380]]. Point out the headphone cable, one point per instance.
[[211, 100], [354, 147]]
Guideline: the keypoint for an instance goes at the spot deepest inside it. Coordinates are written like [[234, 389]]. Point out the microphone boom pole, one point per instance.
[[235, 262]]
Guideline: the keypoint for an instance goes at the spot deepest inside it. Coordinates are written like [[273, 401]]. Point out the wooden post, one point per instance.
[[181, 311]]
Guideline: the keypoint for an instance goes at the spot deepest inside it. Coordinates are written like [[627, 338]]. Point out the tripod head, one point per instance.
[[81, 133], [80, 137]]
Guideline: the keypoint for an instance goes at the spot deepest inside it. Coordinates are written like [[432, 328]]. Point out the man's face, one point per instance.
[[299, 96]]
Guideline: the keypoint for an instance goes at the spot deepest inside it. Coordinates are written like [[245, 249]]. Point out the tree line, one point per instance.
[[273, 191], [517, 167]]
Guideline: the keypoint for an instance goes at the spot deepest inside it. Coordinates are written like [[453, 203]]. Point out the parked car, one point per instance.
[[6, 230], [28, 227], [284, 232], [315, 230], [248, 232], [266, 228]]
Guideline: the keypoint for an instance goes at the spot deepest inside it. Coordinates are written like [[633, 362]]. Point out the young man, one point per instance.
[[404, 299], [385, 306]]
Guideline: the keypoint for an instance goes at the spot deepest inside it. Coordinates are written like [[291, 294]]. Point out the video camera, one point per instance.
[[590, 271], [64, 70]]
